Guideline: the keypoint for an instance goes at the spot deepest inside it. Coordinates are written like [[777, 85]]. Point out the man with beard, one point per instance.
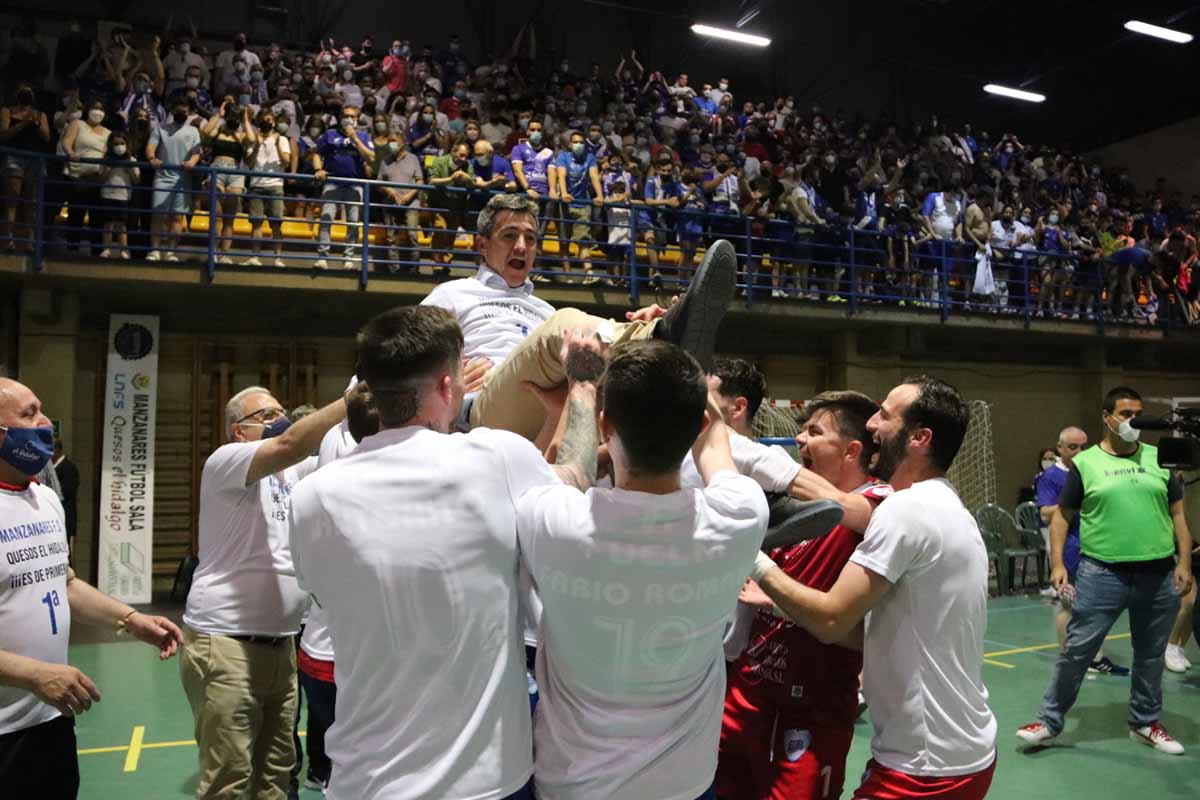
[[921, 572], [791, 701]]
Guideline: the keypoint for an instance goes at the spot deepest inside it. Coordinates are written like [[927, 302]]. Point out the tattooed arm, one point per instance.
[[584, 362]]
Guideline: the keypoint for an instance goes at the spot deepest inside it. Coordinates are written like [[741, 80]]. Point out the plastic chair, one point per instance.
[[995, 554], [1029, 521], [1015, 543]]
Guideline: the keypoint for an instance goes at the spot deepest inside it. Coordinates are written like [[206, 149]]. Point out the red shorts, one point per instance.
[[807, 764], [881, 783]]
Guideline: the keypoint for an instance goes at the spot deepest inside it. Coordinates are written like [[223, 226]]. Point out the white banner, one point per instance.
[[127, 461]]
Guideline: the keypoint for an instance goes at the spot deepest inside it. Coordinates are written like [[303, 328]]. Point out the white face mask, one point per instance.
[[1127, 432], [1048, 463]]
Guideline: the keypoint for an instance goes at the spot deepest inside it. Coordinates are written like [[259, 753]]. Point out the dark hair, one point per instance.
[[1119, 393], [362, 417], [939, 407], [850, 410], [400, 347], [740, 378], [654, 394]]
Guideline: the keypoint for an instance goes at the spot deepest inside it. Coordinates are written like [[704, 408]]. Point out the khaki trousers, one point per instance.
[[503, 404], [243, 699]]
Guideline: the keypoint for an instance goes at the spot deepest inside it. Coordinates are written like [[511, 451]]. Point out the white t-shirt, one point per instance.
[[35, 617], [771, 467], [923, 649], [637, 590], [274, 154], [245, 583], [494, 317], [409, 544]]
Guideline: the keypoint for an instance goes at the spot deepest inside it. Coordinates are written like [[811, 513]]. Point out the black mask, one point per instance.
[[266, 126], [180, 117], [24, 98]]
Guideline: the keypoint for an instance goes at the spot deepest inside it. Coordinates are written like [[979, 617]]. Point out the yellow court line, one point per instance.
[[999, 664], [135, 748], [1036, 647], [138, 733]]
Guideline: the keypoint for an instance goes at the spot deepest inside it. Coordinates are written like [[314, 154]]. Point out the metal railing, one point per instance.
[[630, 247]]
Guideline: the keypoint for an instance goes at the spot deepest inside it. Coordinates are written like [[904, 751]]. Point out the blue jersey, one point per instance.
[[534, 164], [1049, 485], [578, 180]]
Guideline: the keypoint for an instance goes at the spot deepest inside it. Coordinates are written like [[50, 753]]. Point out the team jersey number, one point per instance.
[[51, 601]]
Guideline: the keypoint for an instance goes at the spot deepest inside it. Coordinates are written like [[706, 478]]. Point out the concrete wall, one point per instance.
[[1168, 152]]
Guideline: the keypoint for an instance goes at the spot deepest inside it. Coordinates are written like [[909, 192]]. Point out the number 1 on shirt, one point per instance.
[[51, 600]]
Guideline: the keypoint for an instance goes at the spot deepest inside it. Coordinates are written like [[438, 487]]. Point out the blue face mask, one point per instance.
[[276, 428], [27, 449]]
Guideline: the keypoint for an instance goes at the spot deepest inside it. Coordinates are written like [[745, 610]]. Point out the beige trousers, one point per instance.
[[243, 699], [503, 404]]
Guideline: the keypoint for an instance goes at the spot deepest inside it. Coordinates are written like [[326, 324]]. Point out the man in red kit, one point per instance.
[[791, 701]]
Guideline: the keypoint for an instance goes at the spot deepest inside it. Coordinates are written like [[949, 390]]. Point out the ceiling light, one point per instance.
[[1179, 37], [1016, 94], [733, 36]]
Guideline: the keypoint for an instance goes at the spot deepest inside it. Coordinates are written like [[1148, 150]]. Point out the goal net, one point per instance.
[[776, 419], [974, 470]]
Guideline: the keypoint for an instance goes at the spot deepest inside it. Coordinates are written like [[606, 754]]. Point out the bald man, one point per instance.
[[1071, 441], [40, 693]]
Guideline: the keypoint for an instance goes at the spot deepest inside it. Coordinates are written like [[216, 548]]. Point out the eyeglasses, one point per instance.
[[264, 416]]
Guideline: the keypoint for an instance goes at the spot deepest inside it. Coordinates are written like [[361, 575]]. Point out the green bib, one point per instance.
[[1125, 515]]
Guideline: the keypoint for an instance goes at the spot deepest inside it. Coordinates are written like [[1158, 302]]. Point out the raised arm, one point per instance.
[[583, 360], [296, 443]]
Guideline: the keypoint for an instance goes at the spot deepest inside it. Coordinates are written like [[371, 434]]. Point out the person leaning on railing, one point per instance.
[[268, 150], [85, 139], [401, 209]]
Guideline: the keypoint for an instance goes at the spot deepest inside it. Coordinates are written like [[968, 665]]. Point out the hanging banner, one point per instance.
[[127, 461]]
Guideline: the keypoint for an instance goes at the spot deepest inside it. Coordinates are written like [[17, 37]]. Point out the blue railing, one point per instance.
[[629, 247]]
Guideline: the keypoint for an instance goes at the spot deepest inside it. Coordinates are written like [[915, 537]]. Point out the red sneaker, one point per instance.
[[1156, 736], [1035, 733]]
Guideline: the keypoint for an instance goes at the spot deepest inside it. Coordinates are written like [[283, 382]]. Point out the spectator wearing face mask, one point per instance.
[[661, 192], [341, 153], [227, 135], [143, 93], [720, 93], [533, 166], [364, 61], [493, 173], [347, 87], [180, 60], [496, 130], [172, 150], [401, 212], [86, 138], [227, 69], [456, 171], [578, 178], [395, 66], [1055, 265], [307, 159], [116, 190], [425, 138], [1007, 234], [22, 127], [192, 92], [268, 150]]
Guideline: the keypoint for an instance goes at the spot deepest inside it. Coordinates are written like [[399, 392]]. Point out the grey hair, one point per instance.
[[516, 203], [233, 409]]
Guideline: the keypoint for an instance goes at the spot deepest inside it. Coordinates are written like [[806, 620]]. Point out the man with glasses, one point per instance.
[[239, 663]]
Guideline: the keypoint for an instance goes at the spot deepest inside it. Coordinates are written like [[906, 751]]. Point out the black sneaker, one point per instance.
[[793, 521], [692, 323], [1105, 666]]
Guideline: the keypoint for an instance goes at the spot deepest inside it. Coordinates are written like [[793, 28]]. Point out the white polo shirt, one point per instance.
[[245, 583], [409, 545], [923, 648], [494, 317], [637, 590], [35, 617]]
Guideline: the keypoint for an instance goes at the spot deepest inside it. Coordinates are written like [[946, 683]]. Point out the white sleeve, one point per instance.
[[524, 466], [226, 469], [892, 545], [306, 515], [737, 497], [771, 467], [336, 443]]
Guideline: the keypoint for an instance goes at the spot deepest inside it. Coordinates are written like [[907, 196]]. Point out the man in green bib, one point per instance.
[[1131, 528]]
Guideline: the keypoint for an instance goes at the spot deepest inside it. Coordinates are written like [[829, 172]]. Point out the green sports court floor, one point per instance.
[[136, 744]]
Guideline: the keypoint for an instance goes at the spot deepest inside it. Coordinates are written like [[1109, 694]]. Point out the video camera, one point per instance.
[[1181, 451]]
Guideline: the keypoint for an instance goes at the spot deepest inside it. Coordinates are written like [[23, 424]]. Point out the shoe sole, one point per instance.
[[706, 300], [1137, 737], [818, 519], [1033, 739]]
